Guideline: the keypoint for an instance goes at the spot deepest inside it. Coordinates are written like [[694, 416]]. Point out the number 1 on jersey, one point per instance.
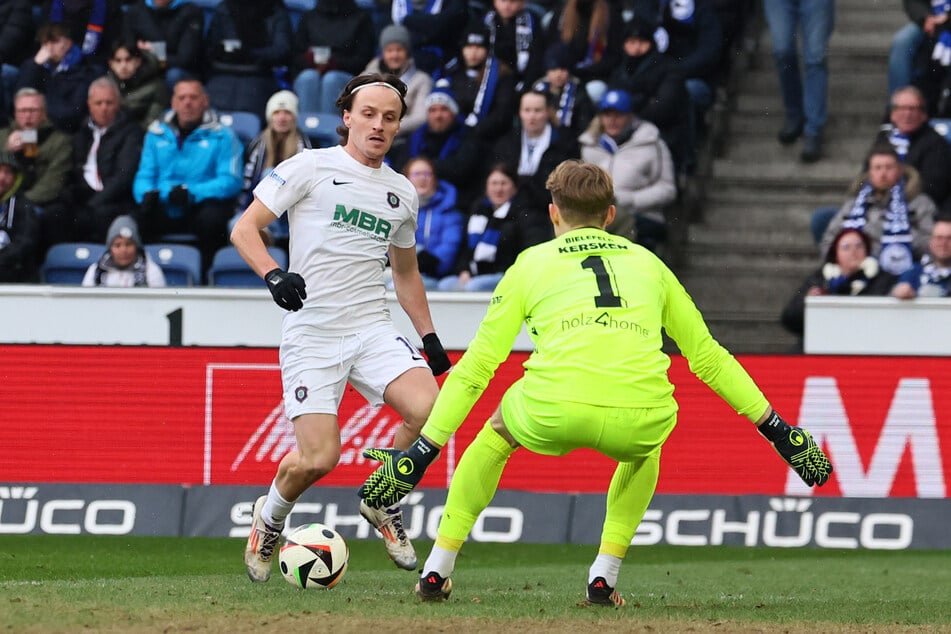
[[606, 297]]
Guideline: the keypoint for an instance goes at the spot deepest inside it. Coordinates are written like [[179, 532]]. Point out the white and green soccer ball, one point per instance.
[[313, 556]]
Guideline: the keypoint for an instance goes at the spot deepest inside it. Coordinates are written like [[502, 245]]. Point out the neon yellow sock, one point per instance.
[[629, 495], [473, 484]]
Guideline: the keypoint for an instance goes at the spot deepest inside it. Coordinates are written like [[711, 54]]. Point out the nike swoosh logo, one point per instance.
[[336, 182]]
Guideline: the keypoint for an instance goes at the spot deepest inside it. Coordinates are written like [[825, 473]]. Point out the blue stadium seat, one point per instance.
[[942, 127], [228, 268], [180, 263], [246, 125], [297, 8], [67, 262], [321, 127]]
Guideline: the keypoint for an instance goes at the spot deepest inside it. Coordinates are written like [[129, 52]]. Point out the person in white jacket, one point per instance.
[[640, 163], [125, 262]]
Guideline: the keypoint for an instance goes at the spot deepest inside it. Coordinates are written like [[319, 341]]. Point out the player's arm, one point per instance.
[[287, 289], [729, 379], [411, 295]]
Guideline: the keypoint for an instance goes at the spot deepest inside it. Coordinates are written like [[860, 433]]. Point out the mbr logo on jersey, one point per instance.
[[364, 221]]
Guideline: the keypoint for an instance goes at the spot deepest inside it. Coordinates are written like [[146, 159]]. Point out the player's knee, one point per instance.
[[314, 467], [497, 425]]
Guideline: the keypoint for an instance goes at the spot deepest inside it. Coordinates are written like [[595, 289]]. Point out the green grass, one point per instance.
[[85, 583]]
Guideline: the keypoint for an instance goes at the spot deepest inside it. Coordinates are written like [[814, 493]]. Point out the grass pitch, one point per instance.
[[144, 584]]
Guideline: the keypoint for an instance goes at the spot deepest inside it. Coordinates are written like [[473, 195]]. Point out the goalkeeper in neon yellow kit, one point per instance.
[[594, 305]]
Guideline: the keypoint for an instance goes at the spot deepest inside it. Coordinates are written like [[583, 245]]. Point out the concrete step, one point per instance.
[[852, 149], [746, 291], [757, 217], [865, 84], [771, 104], [841, 127], [762, 171], [724, 196], [749, 336]]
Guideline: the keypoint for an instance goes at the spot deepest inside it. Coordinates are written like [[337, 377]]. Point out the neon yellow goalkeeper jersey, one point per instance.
[[594, 305]]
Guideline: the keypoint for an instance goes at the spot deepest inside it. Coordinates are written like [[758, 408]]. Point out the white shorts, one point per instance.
[[315, 368]]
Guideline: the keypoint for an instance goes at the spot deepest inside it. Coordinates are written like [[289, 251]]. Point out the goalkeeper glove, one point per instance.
[[436, 355], [398, 474], [796, 446], [287, 289]]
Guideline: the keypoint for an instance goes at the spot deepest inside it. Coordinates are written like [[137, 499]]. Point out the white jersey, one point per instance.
[[343, 216]]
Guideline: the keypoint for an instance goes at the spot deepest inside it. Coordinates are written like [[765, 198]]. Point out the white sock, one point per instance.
[[606, 566], [441, 561], [276, 508]]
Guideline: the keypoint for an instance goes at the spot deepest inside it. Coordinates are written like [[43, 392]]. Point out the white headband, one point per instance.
[[379, 83]]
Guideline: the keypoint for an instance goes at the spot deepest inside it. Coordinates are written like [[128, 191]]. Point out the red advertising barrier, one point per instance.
[[146, 415]]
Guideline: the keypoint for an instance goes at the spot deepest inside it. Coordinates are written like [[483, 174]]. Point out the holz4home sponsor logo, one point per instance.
[[23, 510]]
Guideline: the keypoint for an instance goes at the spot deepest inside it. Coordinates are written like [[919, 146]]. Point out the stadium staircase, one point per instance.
[[748, 245]]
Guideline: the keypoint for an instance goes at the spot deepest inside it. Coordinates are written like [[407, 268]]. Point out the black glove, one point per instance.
[[436, 355], [150, 202], [427, 262], [179, 196], [399, 474], [796, 446], [287, 289]]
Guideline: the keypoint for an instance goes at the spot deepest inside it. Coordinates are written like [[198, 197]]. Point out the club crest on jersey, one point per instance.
[[392, 200], [300, 394]]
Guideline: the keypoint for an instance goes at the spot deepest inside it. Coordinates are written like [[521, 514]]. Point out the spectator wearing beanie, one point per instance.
[[573, 109], [657, 88], [396, 57], [125, 262], [333, 42], [452, 146], [280, 140], [484, 87]]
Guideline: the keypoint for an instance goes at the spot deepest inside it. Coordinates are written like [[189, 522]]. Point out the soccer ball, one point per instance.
[[314, 556]]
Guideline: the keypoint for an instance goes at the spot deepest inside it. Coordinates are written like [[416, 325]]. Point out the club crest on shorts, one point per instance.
[[300, 394], [392, 200]]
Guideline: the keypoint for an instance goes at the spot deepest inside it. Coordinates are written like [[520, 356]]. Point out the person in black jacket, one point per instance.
[[106, 153], [61, 72], [246, 41], [657, 89], [16, 44], [175, 25], [434, 28], [18, 228], [536, 147], [484, 86], [334, 41]]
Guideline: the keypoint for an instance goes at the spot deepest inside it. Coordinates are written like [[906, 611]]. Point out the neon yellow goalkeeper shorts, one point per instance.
[[555, 428]]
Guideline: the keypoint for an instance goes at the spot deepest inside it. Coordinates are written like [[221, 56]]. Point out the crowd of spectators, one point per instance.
[[111, 109]]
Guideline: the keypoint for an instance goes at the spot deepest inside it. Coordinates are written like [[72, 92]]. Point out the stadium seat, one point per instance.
[[246, 125], [180, 263], [228, 268], [67, 262], [297, 8], [942, 127], [321, 127]]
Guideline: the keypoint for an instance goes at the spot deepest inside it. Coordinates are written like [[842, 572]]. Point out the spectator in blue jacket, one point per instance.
[[441, 226], [189, 173]]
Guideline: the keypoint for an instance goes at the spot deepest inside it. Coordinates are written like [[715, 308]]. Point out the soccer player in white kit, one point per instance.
[[347, 213]]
